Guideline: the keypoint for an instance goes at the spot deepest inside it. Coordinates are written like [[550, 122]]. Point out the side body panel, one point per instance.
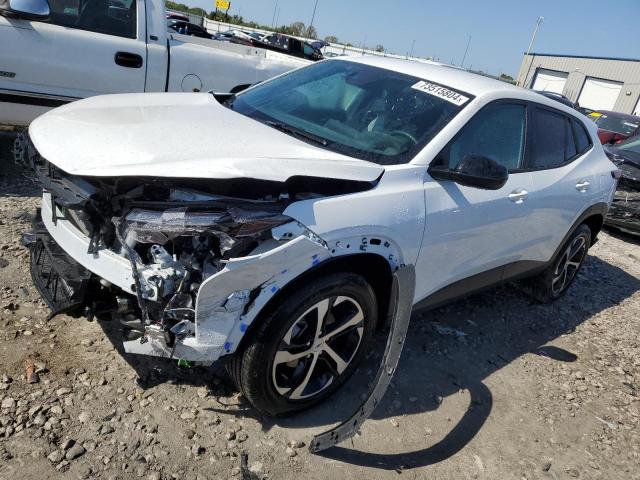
[[388, 219], [198, 64], [68, 63], [470, 231]]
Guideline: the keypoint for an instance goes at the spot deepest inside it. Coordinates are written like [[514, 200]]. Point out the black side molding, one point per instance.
[[31, 98]]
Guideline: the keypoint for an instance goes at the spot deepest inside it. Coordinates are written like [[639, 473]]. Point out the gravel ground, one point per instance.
[[491, 387]]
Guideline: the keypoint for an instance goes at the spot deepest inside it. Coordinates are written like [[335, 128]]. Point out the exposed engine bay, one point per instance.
[[175, 234]]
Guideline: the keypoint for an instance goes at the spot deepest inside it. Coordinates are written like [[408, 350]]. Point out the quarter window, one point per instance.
[[496, 132], [112, 17], [582, 138]]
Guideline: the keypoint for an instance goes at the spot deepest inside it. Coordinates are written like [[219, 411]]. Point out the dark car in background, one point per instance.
[[186, 28], [290, 46], [177, 16], [624, 213], [614, 127]]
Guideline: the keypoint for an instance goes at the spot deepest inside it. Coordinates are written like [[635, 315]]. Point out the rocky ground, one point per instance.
[[492, 387]]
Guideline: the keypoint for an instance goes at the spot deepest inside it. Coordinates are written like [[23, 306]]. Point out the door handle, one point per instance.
[[518, 196], [582, 186], [129, 60]]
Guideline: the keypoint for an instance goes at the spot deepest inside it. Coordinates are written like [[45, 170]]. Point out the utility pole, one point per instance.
[[273, 20], [533, 39], [277, 18], [465, 52], [413, 43], [313, 17]]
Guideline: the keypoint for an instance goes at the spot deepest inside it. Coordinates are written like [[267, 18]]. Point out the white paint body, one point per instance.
[[51, 62], [447, 231]]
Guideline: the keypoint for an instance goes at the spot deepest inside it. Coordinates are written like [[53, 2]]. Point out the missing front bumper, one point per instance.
[[60, 280]]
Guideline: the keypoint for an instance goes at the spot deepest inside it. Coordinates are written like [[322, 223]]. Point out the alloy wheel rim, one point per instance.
[[569, 265], [318, 347]]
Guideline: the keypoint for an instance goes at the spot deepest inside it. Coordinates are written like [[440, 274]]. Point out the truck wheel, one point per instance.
[[309, 346], [553, 282]]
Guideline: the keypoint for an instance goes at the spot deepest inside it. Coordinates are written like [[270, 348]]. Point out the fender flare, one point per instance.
[[404, 280]]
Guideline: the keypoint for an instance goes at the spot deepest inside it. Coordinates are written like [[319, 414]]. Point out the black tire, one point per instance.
[[549, 285], [252, 368]]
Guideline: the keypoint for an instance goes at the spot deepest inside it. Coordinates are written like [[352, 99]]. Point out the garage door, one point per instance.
[[599, 94], [549, 80]]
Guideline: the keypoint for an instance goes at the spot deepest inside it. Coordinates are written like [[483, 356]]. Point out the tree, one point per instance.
[[331, 39], [297, 28], [380, 48], [198, 11], [506, 78], [311, 32]]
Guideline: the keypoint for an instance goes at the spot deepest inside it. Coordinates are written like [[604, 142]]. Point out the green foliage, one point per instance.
[[506, 78], [181, 7], [380, 48], [331, 39]]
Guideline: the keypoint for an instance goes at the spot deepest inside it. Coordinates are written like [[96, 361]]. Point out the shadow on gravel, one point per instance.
[[499, 326], [481, 334]]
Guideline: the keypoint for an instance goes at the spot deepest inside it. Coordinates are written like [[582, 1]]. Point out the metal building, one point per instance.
[[597, 83]]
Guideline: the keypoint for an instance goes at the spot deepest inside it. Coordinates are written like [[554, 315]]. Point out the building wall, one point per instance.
[[625, 71]]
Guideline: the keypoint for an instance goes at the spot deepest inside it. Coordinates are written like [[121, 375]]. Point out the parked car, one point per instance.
[[624, 213], [186, 28], [59, 54], [234, 36], [290, 46], [558, 97], [614, 127], [307, 208]]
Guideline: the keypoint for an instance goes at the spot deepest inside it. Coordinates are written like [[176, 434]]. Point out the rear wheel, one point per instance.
[[553, 282], [308, 347]]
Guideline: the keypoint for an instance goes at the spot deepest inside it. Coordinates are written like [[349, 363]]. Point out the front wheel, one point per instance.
[[553, 282], [309, 346]]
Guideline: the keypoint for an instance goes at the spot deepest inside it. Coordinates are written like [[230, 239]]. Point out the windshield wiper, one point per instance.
[[296, 132]]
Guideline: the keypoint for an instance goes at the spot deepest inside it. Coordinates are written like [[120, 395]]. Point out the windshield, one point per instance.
[[365, 112], [617, 124]]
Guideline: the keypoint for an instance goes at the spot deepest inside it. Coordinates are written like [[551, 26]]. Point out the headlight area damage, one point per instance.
[[182, 269], [185, 265]]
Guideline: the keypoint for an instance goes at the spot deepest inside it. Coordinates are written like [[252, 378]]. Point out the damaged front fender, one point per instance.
[[230, 300]]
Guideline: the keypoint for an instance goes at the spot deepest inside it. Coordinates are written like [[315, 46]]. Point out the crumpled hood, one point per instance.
[[187, 135]]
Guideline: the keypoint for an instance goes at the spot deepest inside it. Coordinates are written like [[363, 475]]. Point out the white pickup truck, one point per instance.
[[56, 51]]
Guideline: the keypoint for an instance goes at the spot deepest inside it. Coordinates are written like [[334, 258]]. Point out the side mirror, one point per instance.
[[474, 171], [27, 9]]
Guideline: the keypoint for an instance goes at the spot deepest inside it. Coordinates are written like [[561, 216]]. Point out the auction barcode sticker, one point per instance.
[[442, 92]]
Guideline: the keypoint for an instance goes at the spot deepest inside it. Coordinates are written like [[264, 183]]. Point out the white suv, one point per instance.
[[280, 227]]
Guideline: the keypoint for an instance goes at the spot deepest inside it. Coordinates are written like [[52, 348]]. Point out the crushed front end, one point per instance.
[[183, 269]]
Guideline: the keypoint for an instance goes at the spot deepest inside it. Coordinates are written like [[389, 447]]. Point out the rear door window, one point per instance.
[[549, 137]]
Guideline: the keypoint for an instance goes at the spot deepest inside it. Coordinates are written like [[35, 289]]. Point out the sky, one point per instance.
[[500, 30]]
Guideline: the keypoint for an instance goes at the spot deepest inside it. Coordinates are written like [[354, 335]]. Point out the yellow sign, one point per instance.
[[223, 4]]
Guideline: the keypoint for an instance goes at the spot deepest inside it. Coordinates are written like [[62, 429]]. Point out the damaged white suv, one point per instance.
[[280, 227]]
